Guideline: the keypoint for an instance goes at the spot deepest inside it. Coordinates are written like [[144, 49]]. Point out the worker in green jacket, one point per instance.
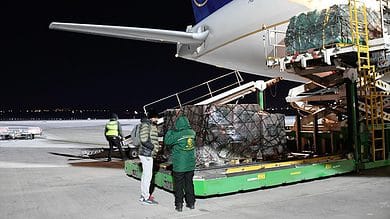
[[114, 136], [182, 142]]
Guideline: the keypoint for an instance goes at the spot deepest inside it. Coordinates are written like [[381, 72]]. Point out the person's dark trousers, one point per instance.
[[184, 187], [114, 142]]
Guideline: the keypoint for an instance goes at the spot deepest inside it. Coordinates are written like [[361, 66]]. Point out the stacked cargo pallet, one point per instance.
[[230, 132], [319, 29]]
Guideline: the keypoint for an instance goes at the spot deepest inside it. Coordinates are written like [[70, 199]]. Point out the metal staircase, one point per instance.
[[204, 91], [223, 94], [373, 99]]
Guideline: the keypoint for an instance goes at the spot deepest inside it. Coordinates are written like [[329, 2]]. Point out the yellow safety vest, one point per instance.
[[112, 128]]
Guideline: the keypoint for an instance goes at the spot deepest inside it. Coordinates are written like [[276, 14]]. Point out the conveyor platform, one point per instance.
[[229, 179]]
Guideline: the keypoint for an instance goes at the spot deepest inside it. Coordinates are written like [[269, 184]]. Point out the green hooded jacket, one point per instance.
[[182, 142]]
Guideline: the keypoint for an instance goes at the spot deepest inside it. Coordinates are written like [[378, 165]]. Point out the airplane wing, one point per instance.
[[144, 34]]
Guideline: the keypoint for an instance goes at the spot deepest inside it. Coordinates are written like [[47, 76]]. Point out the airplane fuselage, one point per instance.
[[233, 34], [238, 36]]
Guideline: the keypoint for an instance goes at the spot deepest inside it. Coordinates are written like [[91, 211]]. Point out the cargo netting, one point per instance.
[[231, 132], [321, 29]]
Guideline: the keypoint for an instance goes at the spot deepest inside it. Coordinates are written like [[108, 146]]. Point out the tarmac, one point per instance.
[[48, 177]]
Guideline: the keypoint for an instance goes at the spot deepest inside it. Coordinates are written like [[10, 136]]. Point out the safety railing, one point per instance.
[[204, 90]]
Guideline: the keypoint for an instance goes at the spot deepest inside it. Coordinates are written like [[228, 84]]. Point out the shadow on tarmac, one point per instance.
[[117, 164], [376, 172]]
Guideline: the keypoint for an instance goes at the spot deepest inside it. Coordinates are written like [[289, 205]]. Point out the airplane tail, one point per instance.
[[203, 8]]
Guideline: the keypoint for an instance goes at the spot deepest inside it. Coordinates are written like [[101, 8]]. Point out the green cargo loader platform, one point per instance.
[[225, 180]]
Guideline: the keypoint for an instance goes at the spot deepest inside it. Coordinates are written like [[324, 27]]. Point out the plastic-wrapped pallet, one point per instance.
[[273, 137], [318, 29], [233, 132]]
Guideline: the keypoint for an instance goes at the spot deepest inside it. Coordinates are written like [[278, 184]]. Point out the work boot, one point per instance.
[[179, 208], [190, 206]]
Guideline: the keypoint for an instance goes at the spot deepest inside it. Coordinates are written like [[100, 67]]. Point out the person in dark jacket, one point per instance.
[[148, 148], [114, 136], [182, 142]]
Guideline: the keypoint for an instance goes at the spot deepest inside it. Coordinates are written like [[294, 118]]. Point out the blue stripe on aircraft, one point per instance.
[[203, 8]]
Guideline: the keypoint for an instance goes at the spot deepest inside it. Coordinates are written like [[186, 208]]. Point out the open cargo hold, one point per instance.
[[319, 29]]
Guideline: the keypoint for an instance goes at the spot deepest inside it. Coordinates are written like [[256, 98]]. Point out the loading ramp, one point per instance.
[[245, 174], [343, 94]]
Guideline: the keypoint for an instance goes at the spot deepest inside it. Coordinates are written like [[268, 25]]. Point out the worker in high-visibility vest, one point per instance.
[[113, 133]]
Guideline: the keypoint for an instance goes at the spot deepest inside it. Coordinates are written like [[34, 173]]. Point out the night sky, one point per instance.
[[45, 68]]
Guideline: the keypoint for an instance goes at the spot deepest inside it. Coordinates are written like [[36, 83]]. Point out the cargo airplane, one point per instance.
[[232, 34]]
